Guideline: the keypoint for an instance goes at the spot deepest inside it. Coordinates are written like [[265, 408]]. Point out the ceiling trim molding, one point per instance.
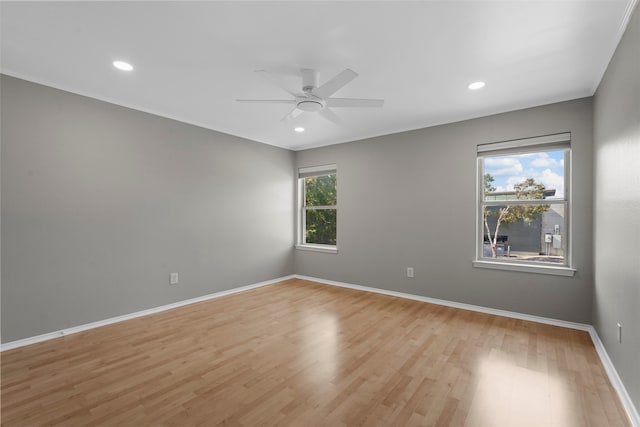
[[625, 19], [624, 23]]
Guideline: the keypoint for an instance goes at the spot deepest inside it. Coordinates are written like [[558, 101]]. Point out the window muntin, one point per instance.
[[318, 206], [523, 208]]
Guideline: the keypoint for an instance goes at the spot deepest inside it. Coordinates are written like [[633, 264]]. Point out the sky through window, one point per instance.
[[546, 167]]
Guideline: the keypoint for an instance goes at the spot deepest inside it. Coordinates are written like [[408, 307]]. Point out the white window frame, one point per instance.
[[307, 172], [560, 141]]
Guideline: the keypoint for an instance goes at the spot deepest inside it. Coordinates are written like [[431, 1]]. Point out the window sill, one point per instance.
[[527, 268], [318, 248]]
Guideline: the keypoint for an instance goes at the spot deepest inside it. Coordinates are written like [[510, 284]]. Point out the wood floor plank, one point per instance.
[[302, 353]]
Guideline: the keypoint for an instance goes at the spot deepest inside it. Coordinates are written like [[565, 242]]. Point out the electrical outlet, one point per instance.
[[410, 272], [619, 333], [173, 279]]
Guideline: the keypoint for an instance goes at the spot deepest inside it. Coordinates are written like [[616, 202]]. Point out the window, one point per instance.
[[318, 207], [524, 204]]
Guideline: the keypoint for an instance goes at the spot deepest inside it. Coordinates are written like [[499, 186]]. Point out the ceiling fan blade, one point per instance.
[[336, 83], [292, 114], [330, 115], [354, 102], [269, 101], [274, 81]]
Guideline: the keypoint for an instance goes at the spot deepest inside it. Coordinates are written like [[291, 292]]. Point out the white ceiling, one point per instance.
[[193, 59]]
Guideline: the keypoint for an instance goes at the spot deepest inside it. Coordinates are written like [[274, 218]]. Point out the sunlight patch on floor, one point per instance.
[[509, 395]]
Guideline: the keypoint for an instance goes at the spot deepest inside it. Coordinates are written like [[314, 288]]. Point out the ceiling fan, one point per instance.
[[317, 99]]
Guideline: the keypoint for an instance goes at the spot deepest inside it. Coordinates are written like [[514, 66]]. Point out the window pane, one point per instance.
[[320, 190], [321, 226], [524, 176], [533, 233]]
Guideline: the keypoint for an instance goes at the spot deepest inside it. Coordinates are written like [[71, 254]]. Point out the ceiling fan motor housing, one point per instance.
[[309, 80]]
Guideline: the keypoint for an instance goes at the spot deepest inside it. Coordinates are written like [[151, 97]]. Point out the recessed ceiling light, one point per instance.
[[299, 129], [121, 65], [476, 85]]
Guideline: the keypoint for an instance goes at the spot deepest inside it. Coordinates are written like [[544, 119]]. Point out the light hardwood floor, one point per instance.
[[300, 353]]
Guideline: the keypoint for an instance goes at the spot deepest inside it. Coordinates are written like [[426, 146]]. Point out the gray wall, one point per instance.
[[100, 203], [408, 200], [617, 208]]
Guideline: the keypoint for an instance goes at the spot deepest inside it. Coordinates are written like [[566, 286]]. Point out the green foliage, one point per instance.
[[526, 190], [321, 226], [320, 190], [488, 179], [321, 223]]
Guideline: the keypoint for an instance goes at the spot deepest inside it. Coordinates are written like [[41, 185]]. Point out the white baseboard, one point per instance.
[[632, 412], [74, 329], [609, 368]]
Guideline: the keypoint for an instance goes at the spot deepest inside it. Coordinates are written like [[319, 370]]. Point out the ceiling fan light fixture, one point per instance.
[[122, 65], [476, 85], [310, 105]]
